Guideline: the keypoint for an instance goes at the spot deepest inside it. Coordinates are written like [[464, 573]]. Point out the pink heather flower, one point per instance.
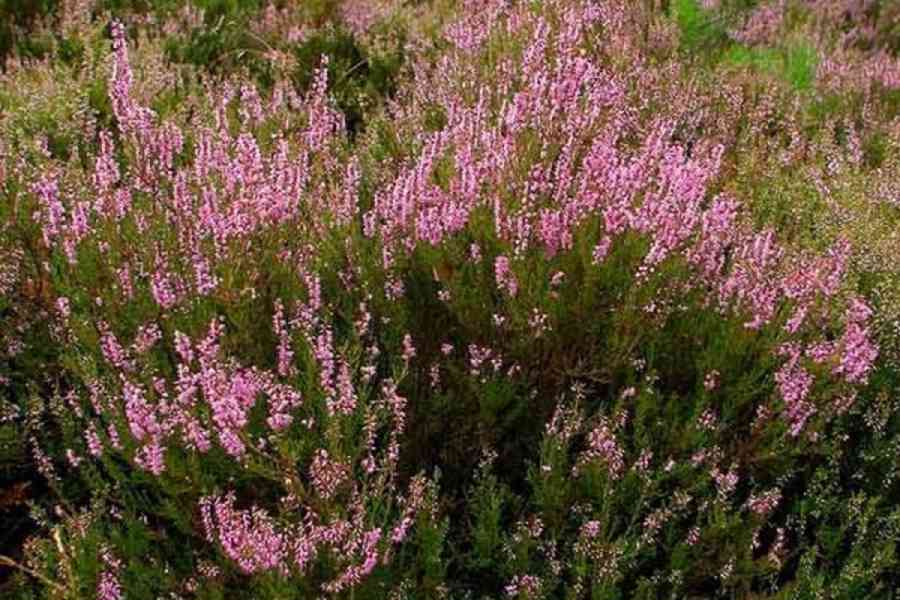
[[282, 400], [763, 23], [470, 32], [643, 462], [108, 586], [327, 475], [15, 347], [325, 121], [8, 411], [566, 421], [205, 282], [858, 351], [708, 420], [151, 457], [208, 570], [121, 202], [727, 570], [62, 306], [323, 352], [345, 401], [394, 289], [717, 231], [750, 283], [793, 324], [183, 348], [148, 335], [368, 552], [604, 448], [92, 438], [601, 250], [126, 286], [43, 462], [506, 280], [409, 350], [52, 212], [693, 536], [777, 551], [113, 434], [844, 403], [162, 287], [249, 538], [411, 505], [121, 79], [112, 350], [590, 530], [765, 503], [537, 322], [364, 322], [524, 586], [10, 269], [285, 352], [106, 169], [653, 523], [434, 375], [726, 482], [711, 380], [140, 414], [361, 15], [794, 383], [557, 279], [73, 458], [231, 395], [477, 357]]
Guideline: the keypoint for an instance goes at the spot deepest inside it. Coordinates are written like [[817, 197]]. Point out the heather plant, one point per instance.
[[489, 299]]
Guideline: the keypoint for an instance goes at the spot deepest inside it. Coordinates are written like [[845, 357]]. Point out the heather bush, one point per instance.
[[567, 299]]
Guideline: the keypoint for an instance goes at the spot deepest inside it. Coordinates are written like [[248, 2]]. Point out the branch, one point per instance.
[[5, 560]]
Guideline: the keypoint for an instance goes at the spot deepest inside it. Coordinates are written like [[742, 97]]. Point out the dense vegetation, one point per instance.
[[486, 299]]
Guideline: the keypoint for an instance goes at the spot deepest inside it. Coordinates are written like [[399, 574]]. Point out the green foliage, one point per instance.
[[800, 63], [795, 64], [17, 20], [699, 29], [218, 10], [221, 46], [359, 77]]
